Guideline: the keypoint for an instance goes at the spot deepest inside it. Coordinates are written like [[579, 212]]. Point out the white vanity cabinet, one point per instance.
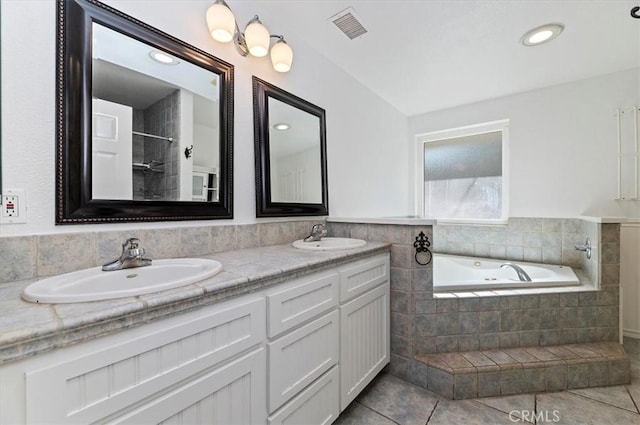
[[209, 362], [343, 348], [295, 353]]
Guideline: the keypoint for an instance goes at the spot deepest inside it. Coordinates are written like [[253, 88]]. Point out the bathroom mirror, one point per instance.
[[144, 122], [290, 154]]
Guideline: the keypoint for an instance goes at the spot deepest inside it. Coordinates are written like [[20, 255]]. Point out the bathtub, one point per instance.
[[457, 273]]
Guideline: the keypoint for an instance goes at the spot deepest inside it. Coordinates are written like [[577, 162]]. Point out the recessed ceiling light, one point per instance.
[[541, 34], [282, 126], [163, 58]]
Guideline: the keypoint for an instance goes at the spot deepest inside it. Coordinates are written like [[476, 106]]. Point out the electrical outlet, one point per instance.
[[14, 208]]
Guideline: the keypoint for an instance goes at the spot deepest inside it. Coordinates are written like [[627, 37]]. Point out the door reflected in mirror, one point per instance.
[[294, 154], [290, 146], [148, 106]]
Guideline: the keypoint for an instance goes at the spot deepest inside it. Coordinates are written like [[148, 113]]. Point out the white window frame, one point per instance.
[[470, 130]]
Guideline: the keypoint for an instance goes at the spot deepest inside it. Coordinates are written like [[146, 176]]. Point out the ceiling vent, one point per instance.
[[348, 22]]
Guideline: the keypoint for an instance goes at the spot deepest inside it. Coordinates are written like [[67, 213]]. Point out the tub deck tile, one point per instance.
[[523, 356], [560, 352], [499, 357], [541, 353], [476, 358]]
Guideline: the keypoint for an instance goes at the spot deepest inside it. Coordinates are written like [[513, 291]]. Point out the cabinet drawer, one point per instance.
[[317, 404], [362, 276], [231, 394], [91, 387], [306, 298], [300, 357]]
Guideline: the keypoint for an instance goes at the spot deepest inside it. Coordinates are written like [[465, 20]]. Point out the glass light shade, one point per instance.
[[281, 56], [221, 22], [257, 37]]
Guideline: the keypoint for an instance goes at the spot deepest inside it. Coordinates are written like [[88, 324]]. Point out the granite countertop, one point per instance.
[[27, 329]]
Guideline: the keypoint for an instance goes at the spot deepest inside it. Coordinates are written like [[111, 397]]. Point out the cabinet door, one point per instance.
[[232, 394], [300, 357], [88, 388], [364, 341], [317, 404], [199, 186]]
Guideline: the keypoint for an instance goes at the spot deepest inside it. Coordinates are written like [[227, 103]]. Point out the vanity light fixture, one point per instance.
[[282, 126], [254, 41], [541, 34], [162, 58]]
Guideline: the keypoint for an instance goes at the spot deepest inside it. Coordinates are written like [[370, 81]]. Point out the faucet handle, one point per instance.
[[131, 243], [131, 248], [319, 228]]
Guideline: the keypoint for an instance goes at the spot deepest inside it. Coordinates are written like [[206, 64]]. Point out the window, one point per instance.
[[463, 173]]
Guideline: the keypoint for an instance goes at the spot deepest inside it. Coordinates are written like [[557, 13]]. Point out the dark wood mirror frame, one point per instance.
[[262, 91], [74, 204]]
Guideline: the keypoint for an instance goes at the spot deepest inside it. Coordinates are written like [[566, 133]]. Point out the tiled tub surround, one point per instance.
[[27, 257], [533, 240], [422, 324], [27, 329]]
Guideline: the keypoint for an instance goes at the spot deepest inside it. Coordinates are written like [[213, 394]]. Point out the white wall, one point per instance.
[[366, 137], [310, 182], [563, 151]]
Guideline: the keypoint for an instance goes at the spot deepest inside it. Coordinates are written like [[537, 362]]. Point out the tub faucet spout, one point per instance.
[[522, 275]]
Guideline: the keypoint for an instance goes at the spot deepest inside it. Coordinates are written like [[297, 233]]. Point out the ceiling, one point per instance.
[[422, 56]]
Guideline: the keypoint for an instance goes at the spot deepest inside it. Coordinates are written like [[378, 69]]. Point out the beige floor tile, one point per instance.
[[357, 414], [514, 405], [400, 401], [467, 412], [616, 396], [565, 408]]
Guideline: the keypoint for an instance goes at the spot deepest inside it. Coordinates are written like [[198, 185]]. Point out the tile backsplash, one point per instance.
[[27, 257], [536, 240]]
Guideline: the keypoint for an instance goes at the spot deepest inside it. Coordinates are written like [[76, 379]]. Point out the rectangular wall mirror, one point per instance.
[[291, 159], [144, 122]]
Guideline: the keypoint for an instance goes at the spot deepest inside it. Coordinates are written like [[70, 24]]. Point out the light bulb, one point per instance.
[[163, 58], [282, 126], [541, 34], [539, 37]]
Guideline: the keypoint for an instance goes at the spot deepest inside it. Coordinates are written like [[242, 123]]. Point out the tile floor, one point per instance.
[[390, 400]]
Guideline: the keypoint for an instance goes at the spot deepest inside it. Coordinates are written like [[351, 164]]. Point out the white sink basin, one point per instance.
[[94, 284], [330, 244]]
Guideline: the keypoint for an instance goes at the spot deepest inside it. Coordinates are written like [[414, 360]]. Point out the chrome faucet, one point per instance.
[[131, 257], [522, 275], [317, 232]]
